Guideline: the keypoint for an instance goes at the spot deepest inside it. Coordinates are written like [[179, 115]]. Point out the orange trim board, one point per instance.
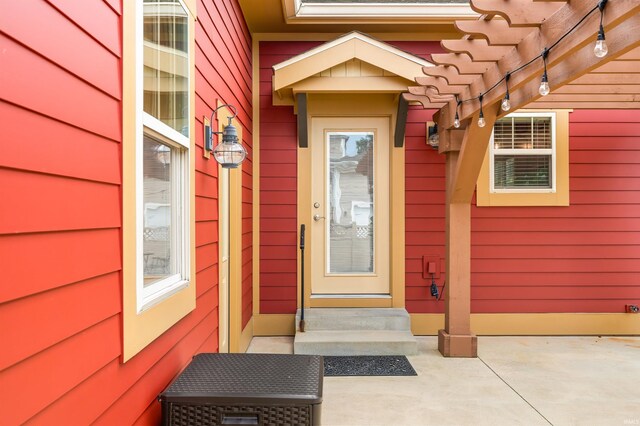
[[552, 324], [547, 324]]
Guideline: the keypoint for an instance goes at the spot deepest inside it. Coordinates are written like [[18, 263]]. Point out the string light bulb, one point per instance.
[[456, 120], [544, 82], [544, 85], [601, 48], [481, 122], [506, 103]]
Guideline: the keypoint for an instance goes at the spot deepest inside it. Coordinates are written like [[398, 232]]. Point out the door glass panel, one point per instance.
[[350, 193]]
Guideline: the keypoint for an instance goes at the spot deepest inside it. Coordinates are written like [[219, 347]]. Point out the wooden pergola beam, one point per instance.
[[581, 61], [497, 32], [519, 13], [550, 31], [441, 85], [478, 50], [462, 62], [474, 147], [422, 100], [449, 73]]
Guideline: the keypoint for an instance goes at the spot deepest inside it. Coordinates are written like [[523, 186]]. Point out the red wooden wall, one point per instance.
[[581, 258], [278, 183], [60, 215], [424, 211], [223, 73], [278, 168]]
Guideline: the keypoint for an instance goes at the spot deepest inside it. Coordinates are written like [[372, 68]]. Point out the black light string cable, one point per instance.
[[600, 51]]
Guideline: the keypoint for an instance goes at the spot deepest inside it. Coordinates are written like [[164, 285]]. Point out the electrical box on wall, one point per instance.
[[430, 266]]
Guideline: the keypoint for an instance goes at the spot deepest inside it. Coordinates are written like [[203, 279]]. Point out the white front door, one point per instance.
[[350, 211]]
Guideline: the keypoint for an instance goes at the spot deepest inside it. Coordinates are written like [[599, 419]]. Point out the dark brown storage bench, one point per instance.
[[246, 389]]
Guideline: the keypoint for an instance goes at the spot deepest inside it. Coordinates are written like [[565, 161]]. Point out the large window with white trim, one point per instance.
[[523, 153], [162, 169], [158, 168]]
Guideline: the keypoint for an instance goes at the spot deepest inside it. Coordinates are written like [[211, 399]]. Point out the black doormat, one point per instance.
[[368, 365]]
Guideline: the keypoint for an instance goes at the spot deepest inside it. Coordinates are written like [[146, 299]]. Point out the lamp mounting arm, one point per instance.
[[229, 153], [215, 111]]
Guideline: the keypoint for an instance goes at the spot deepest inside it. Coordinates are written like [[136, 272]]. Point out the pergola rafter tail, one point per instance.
[[550, 30], [497, 32], [519, 13]]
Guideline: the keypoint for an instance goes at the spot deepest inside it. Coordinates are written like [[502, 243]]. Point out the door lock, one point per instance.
[[316, 205], [317, 217]]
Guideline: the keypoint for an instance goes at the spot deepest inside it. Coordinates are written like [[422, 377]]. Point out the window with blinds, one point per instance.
[[523, 153]]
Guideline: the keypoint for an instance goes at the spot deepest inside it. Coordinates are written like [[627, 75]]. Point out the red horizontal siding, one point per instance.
[[581, 258], [224, 73], [85, 16], [32, 384], [424, 211], [34, 314], [51, 203], [60, 220], [46, 261], [61, 139], [278, 187], [25, 86], [95, 62]]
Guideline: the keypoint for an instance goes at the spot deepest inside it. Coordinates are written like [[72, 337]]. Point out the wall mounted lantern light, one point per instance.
[[229, 152], [433, 138]]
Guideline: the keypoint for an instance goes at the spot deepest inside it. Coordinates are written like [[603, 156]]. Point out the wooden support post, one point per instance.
[[465, 153], [456, 339]]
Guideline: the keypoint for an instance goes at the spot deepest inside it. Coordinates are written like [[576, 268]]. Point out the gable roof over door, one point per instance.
[[388, 69]]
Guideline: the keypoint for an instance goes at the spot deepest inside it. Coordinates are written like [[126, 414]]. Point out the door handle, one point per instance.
[[317, 217]]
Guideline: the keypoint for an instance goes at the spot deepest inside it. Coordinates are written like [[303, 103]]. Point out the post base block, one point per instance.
[[457, 345]]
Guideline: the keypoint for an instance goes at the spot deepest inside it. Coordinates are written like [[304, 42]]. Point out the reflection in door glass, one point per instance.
[[350, 187]]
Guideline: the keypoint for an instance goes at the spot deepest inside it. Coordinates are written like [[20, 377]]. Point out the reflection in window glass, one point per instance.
[[351, 203], [158, 217], [166, 63]]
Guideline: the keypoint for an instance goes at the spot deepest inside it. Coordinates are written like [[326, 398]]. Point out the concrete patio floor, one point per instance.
[[514, 381]]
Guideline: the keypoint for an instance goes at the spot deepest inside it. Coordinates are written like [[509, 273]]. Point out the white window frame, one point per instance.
[[181, 166], [522, 152]]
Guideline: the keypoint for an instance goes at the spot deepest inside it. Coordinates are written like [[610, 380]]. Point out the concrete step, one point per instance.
[[355, 342], [317, 319]]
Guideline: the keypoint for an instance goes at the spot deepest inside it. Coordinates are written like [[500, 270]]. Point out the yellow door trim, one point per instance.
[[235, 240], [367, 105]]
